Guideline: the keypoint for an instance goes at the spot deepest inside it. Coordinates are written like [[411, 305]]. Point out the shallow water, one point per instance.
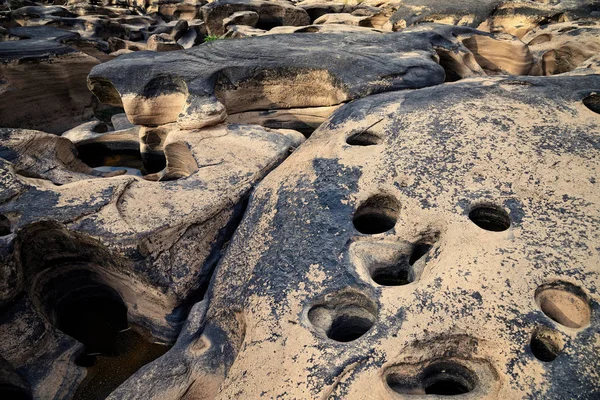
[[108, 372]]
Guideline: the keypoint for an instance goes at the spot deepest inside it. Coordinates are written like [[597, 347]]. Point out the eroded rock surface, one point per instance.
[[200, 86], [407, 252], [435, 236], [149, 246]]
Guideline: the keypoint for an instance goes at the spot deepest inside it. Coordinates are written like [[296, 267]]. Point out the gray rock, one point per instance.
[[196, 87]]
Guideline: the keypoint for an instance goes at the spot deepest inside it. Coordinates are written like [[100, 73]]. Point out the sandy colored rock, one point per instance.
[[271, 13], [43, 82], [407, 252]]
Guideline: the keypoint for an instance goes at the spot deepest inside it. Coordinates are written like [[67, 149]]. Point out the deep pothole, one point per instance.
[[399, 270], [104, 158], [592, 102], [440, 378], [343, 317], [377, 214], [5, 225], [546, 344], [443, 378], [490, 218], [82, 306]]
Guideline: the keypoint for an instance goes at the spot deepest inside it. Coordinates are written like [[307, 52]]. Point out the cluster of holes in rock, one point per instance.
[[446, 378]]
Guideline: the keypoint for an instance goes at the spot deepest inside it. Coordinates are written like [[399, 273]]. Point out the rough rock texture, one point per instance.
[[271, 13], [412, 247], [560, 48], [68, 226], [198, 87], [44, 80]]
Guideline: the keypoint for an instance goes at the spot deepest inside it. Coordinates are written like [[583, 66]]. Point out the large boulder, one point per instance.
[[92, 252], [433, 241], [200, 86], [43, 83], [270, 13]]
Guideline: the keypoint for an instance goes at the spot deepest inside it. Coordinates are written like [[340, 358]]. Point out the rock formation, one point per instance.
[[243, 199]]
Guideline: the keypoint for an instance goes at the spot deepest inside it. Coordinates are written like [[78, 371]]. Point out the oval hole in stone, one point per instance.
[[448, 379], [564, 303], [546, 344], [344, 317], [592, 102], [490, 218], [4, 225], [365, 138], [377, 215], [445, 378]]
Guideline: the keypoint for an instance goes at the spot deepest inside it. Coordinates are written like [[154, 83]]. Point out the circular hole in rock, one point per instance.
[[592, 102], [490, 218], [399, 271], [93, 315], [545, 344], [377, 215], [395, 275], [365, 138], [4, 225], [564, 303], [344, 317], [448, 379], [419, 251], [445, 378]]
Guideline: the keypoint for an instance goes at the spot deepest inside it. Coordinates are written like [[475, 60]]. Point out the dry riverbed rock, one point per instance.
[[201, 86], [78, 241], [412, 247]]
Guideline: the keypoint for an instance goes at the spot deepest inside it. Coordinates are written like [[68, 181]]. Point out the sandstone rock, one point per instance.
[[563, 47], [497, 16], [271, 13], [87, 130], [304, 120], [58, 210], [249, 18], [242, 31], [326, 28], [43, 82], [343, 18], [518, 18], [431, 241], [196, 87], [162, 42]]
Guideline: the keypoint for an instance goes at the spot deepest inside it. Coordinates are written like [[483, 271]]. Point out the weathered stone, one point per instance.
[[73, 226], [563, 47], [197, 87], [249, 18], [271, 13], [432, 241], [43, 83]]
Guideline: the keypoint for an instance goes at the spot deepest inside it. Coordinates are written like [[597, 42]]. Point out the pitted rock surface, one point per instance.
[[486, 198]]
